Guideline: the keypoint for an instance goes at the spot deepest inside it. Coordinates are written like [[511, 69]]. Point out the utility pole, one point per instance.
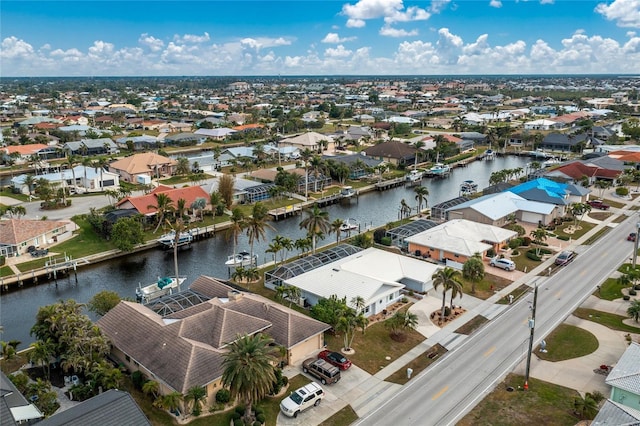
[[634, 256], [532, 325]]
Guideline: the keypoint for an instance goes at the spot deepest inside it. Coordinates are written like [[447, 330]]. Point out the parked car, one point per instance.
[[631, 237], [31, 249], [335, 358], [598, 204], [565, 257], [301, 399], [39, 252], [321, 370], [506, 264]]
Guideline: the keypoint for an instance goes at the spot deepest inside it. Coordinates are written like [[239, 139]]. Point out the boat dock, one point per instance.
[[392, 183], [52, 270], [285, 212]]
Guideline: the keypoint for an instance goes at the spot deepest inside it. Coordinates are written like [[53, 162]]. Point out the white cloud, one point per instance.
[[390, 10], [438, 6], [12, 47], [626, 13], [495, 3], [191, 38], [45, 46], [394, 32], [154, 44], [264, 42], [334, 38], [338, 52]]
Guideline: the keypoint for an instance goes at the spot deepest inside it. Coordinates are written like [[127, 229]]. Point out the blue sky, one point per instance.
[[312, 37]]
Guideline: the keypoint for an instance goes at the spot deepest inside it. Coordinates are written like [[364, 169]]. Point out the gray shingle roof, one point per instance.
[[111, 408], [626, 374], [616, 414]]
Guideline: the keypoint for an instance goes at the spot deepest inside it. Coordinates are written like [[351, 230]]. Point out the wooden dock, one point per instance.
[[285, 212], [392, 183]]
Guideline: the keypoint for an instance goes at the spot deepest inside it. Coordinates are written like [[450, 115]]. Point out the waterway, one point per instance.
[[18, 308]]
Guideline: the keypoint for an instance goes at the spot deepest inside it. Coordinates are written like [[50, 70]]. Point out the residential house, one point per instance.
[[565, 143], [90, 147], [500, 209], [91, 179], [358, 164], [218, 134], [183, 346], [455, 241], [394, 152], [146, 164], [623, 405], [378, 276], [593, 169], [309, 140], [145, 204], [184, 139], [547, 191], [543, 124], [14, 408], [111, 408], [140, 143], [23, 153], [16, 235]]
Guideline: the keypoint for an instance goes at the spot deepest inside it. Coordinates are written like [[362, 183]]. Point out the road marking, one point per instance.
[[583, 273], [439, 394], [487, 353], [558, 294]]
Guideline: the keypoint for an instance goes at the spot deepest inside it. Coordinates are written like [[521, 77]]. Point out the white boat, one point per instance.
[[349, 225], [489, 154], [414, 176], [241, 259], [347, 192], [164, 286], [551, 162], [169, 239], [468, 187], [439, 169]]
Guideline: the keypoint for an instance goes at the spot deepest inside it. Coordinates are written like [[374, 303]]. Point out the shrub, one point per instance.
[[379, 234], [632, 292], [404, 300], [238, 422], [491, 252], [277, 384], [533, 256], [138, 379], [216, 407], [257, 411], [515, 243], [385, 241], [240, 410], [563, 238], [636, 287], [515, 253], [261, 418], [2, 260], [257, 423], [235, 416], [622, 191], [626, 297], [223, 396], [447, 311], [526, 241]]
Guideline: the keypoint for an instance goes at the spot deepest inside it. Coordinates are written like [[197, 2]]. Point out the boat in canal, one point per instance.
[[439, 169], [162, 287], [169, 239], [468, 187], [241, 259], [414, 176], [347, 192], [349, 225]]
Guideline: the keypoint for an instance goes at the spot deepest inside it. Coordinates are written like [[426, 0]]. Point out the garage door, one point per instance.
[[532, 217]]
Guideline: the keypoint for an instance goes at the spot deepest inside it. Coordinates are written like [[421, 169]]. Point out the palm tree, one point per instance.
[[182, 168], [256, 224], [72, 160], [41, 353], [405, 210], [421, 196], [445, 278], [305, 155], [578, 211], [358, 303], [539, 236], [634, 310], [456, 290], [29, 181], [162, 207], [237, 226], [317, 221], [336, 226], [170, 401], [151, 387], [195, 395], [400, 322], [348, 323], [178, 227], [248, 369], [473, 270]]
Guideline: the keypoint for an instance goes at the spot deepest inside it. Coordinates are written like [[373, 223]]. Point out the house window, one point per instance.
[[366, 310], [128, 358]]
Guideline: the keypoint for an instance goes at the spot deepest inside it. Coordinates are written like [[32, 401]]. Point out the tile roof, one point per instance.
[[25, 149], [392, 149], [186, 348], [16, 231], [141, 163], [142, 203], [626, 374]]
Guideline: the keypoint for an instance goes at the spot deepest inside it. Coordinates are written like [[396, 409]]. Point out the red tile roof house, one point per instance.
[[142, 203], [145, 164], [185, 348], [16, 235]]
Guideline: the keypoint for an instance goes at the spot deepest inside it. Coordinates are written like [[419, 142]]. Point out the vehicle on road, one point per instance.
[[506, 264], [321, 370], [631, 237], [598, 204], [565, 257], [335, 358], [301, 399]]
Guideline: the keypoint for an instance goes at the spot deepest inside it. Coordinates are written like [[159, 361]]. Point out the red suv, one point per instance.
[[336, 359], [598, 204]]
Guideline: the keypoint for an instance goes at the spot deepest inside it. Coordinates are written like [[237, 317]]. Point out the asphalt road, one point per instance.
[[444, 393]]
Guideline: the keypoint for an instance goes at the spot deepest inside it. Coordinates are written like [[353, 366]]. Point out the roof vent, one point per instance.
[[336, 269], [234, 295]]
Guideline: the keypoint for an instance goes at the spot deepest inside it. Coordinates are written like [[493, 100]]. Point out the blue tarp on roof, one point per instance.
[[542, 189]]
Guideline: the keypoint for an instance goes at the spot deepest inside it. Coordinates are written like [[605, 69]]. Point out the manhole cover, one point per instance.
[[510, 389]]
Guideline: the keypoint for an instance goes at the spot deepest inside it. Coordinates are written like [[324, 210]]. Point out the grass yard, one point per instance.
[[609, 290], [625, 268], [12, 365], [621, 218], [372, 347], [543, 404], [598, 215], [344, 417], [6, 271], [597, 236], [517, 294], [584, 228], [523, 263], [612, 321], [472, 325], [568, 342], [613, 203], [417, 364], [487, 287]]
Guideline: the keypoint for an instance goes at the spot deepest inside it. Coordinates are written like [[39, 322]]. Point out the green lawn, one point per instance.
[[543, 404], [485, 288], [609, 290], [612, 321], [584, 228], [417, 364], [597, 235], [517, 293], [523, 263], [344, 417], [568, 342], [5, 271]]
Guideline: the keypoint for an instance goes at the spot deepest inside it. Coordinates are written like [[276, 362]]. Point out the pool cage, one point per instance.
[[173, 303], [305, 264], [439, 211], [414, 227], [258, 193]]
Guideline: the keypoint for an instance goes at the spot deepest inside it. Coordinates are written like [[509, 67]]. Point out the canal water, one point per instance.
[[18, 308]]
